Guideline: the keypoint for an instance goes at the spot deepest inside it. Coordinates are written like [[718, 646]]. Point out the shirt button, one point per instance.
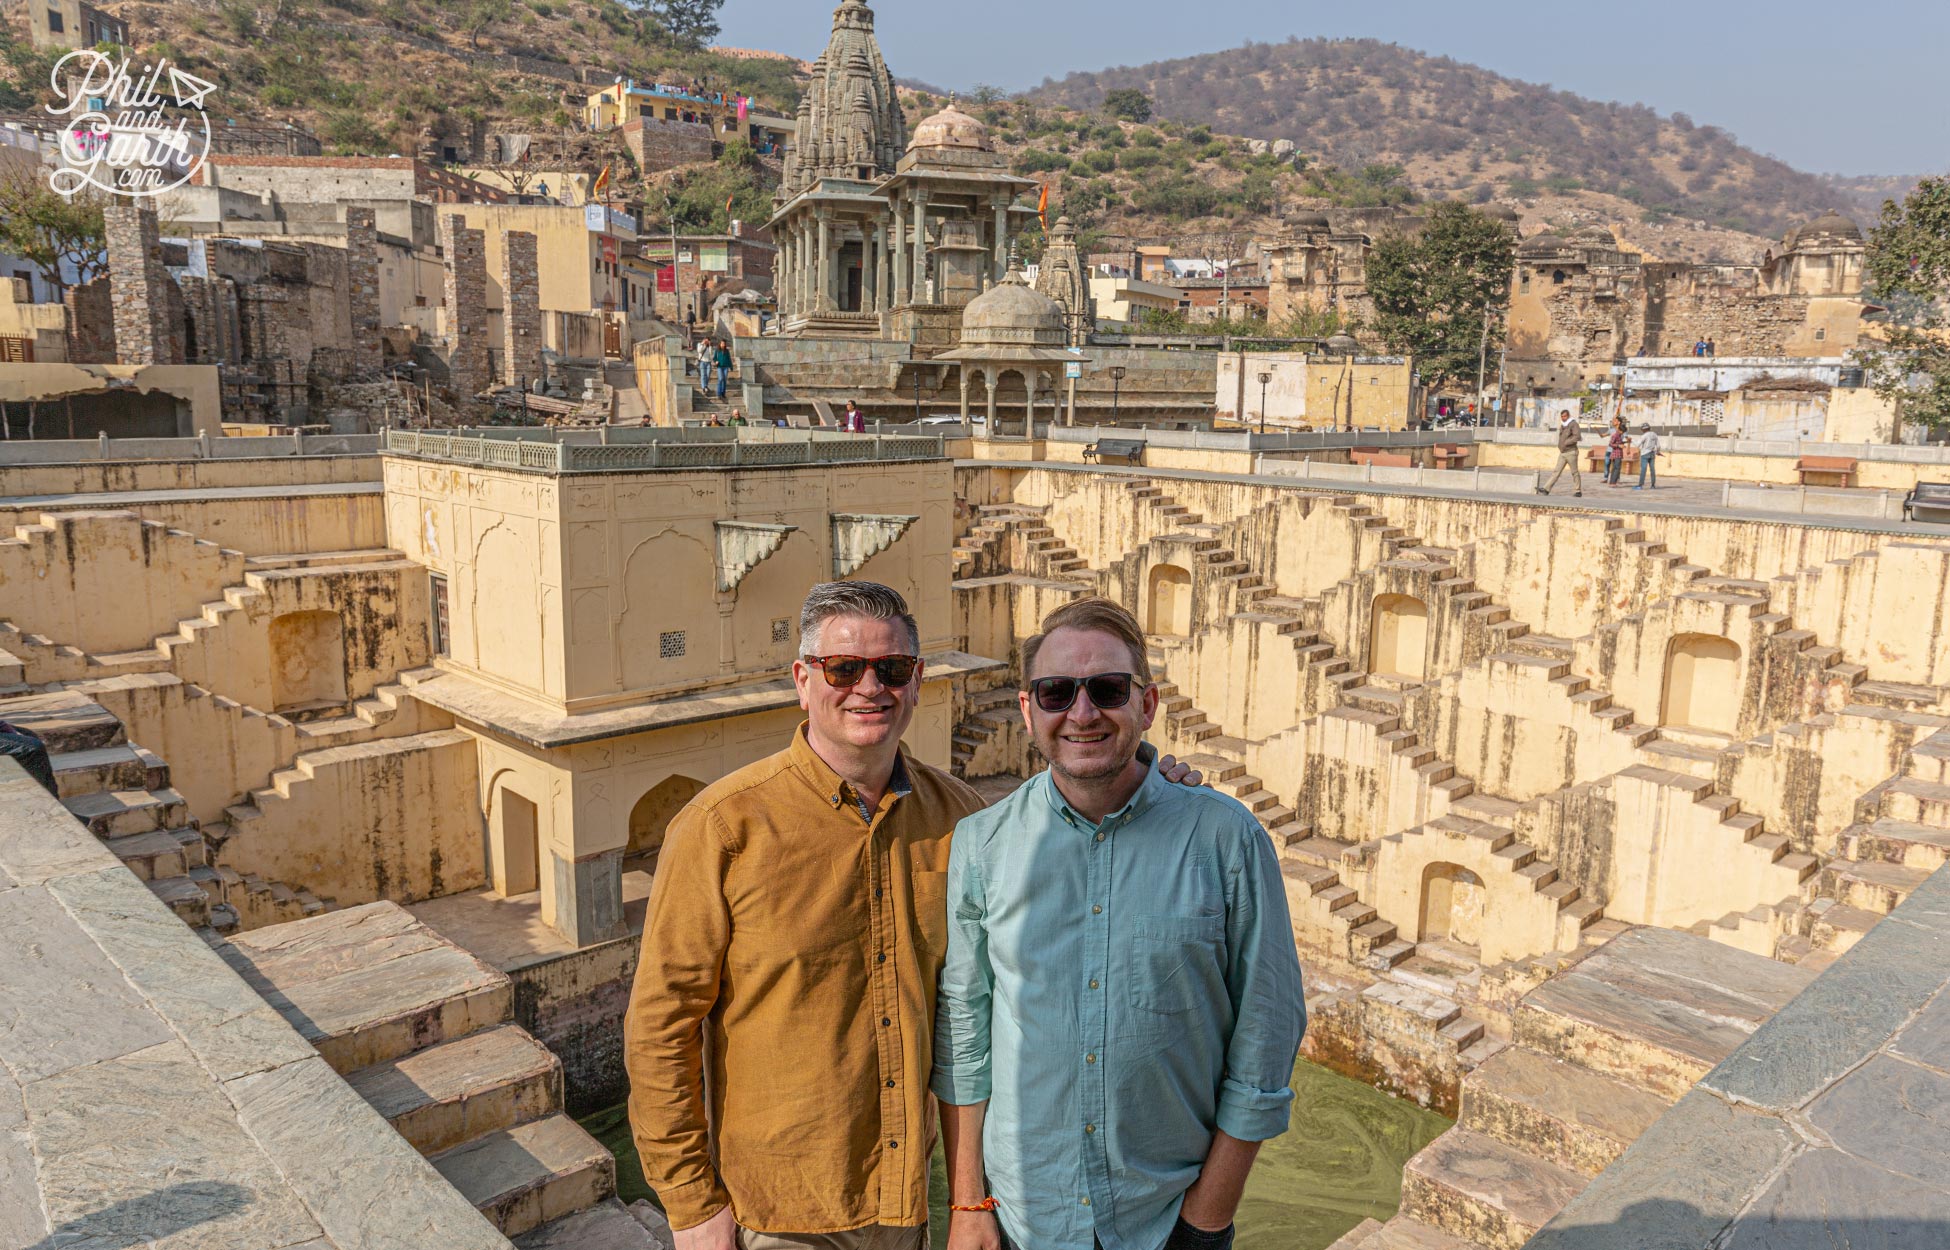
[[876, 891], [1085, 1201], [885, 1020], [890, 1084], [1096, 910], [1093, 983], [1100, 837], [1090, 1058], [893, 1145], [880, 959], [1089, 1128], [836, 800]]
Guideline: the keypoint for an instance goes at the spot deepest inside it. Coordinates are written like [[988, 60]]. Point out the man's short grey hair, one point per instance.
[[869, 599]]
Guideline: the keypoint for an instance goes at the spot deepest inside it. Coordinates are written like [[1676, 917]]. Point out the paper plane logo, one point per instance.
[[130, 131]]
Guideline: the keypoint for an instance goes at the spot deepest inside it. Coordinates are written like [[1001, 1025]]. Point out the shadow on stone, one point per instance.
[[147, 1218], [1665, 1224]]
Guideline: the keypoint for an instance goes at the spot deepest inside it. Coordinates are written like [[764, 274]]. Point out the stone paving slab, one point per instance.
[[1892, 1113], [609, 1225], [1825, 1200], [53, 975]]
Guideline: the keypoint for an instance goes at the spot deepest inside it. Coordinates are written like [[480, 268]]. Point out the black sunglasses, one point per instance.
[[845, 671], [1106, 691]]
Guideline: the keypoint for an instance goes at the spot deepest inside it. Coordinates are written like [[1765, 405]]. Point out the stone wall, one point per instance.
[[91, 323], [362, 288], [466, 303], [138, 287], [521, 310], [658, 144]]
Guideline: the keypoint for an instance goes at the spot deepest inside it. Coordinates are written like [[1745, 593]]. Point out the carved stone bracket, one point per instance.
[[743, 546], [859, 537]]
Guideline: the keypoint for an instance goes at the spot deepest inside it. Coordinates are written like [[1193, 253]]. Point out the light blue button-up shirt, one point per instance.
[[1116, 992]]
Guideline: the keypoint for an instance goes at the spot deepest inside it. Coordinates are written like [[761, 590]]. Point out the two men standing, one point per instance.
[[783, 1030]]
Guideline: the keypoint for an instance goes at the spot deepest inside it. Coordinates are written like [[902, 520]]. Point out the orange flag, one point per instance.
[[602, 180], [1042, 208]]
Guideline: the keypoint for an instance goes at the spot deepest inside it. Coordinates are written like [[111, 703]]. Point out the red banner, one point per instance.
[[667, 278]]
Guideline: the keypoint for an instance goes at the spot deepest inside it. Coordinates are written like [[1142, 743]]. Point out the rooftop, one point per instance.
[[643, 450]]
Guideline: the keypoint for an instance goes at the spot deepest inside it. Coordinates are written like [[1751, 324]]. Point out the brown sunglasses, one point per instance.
[[846, 671]]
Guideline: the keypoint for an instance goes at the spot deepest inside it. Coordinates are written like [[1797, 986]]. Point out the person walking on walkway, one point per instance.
[[1567, 455], [704, 365], [722, 359], [1615, 452], [1648, 452]]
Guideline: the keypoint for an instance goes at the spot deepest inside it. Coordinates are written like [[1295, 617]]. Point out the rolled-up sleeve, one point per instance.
[[961, 1017], [1269, 1005], [677, 983]]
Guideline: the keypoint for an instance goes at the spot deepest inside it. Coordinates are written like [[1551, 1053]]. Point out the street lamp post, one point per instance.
[[1116, 383], [917, 396], [1265, 376]]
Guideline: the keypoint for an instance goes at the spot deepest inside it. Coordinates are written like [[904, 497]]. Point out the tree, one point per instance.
[[690, 24], [1128, 103], [1909, 271], [45, 228], [482, 14], [1431, 291]]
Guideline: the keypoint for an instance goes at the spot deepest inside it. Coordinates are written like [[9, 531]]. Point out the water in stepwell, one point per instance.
[[1340, 1163]]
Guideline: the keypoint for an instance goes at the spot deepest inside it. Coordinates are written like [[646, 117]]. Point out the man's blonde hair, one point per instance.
[[1099, 614]]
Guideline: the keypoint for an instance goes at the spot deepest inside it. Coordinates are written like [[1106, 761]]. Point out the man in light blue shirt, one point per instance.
[[1120, 1006]]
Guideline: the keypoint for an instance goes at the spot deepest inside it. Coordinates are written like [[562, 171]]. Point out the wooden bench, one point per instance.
[[1447, 456], [1927, 497], [1383, 459], [1826, 470], [1595, 459], [1126, 449]]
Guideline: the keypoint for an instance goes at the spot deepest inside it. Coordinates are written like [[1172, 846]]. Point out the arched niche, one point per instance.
[[1398, 637], [652, 815], [307, 661], [1168, 601], [1452, 904], [514, 844], [1702, 683]]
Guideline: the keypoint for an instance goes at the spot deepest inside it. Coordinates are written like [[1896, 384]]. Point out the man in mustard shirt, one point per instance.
[[798, 914]]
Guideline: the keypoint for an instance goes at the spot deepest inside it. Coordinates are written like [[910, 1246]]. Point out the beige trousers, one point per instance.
[[872, 1237], [1566, 460]]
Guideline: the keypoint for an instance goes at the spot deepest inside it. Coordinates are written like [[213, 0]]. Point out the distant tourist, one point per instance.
[[853, 421], [721, 358], [704, 358], [798, 920], [1615, 446], [1648, 452], [1567, 455], [1712, 348], [1101, 914], [737, 417]]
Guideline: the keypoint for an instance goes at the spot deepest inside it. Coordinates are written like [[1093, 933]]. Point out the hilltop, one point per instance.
[[1460, 130]]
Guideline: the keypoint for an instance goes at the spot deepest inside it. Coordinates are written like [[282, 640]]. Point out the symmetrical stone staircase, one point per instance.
[[424, 1032], [1600, 1051], [122, 794], [980, 743]]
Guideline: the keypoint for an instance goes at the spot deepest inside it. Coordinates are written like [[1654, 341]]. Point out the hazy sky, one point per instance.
[[1861, 87]]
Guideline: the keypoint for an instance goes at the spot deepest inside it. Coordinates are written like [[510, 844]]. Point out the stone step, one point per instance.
[[1655, 1008], [1564, 1114], [184, 897], [1897, 841], [1917, 801], [369, 984], [1400, 1233], [109, 813], [1871, 885], [1473, 1186], [66, 720], [451, 1093], [522, 1177], [159, 854], [1838, 927], [609, 1225], [116, 767]]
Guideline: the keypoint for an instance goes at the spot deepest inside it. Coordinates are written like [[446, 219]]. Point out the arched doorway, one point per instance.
[[652, 815], [1702, 683], [1452, 904], [1398, 637], [307, 661], [515, 850], [1169, 601]]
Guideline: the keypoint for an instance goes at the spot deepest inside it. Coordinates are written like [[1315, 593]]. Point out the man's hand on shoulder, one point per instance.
[[720, 1232], [971, 1230], [1178, 772]]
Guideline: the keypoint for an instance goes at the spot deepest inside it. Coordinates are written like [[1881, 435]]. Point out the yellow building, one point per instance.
[[628, 101]]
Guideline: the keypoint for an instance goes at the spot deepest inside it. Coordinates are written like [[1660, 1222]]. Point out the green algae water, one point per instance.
[[1340, 1163]]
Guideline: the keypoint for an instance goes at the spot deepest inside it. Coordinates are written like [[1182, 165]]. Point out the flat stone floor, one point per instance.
[[132, 498], [508, 933]]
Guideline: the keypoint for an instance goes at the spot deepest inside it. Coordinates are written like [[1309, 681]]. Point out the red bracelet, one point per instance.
[[986, 1204]]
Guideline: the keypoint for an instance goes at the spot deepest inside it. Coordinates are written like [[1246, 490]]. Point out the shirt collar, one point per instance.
[[1148, 791], [832, 787]]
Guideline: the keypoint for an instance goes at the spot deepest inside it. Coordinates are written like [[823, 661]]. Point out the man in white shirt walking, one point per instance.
[[1567, 455], [1648, 452]]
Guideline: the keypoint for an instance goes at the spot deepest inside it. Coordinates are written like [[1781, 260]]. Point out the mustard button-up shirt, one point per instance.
[[805, 936]]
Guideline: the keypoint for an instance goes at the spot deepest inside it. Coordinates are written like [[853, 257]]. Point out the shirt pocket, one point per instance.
[[931, 910], [1175, 963]]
